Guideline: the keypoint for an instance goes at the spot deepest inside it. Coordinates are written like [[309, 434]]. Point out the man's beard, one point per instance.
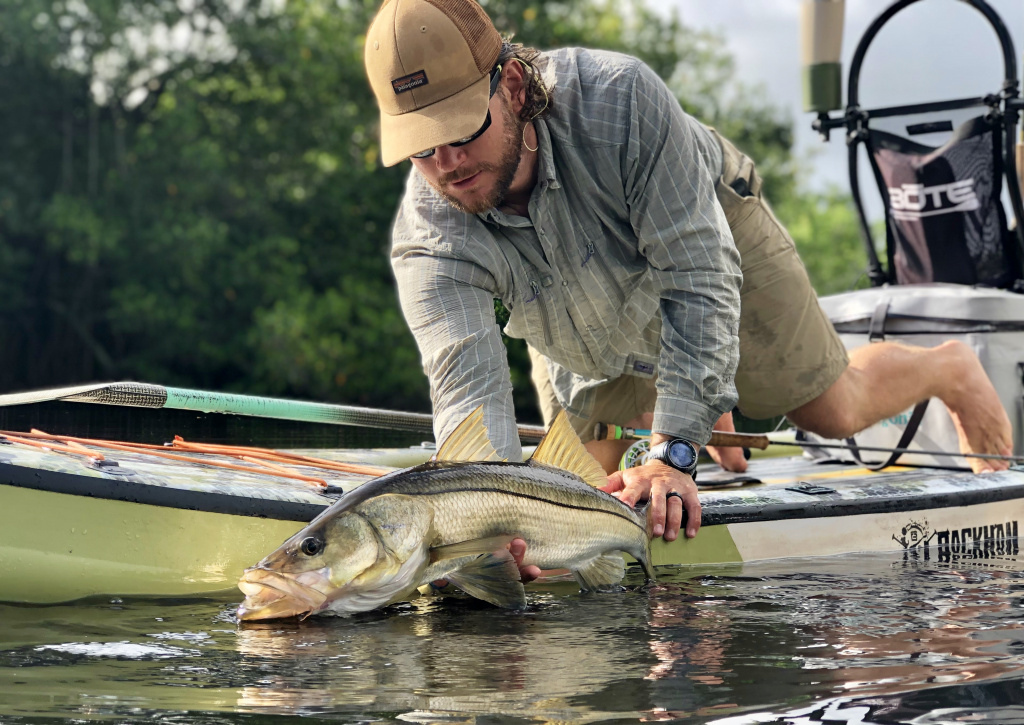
[[506, 168]]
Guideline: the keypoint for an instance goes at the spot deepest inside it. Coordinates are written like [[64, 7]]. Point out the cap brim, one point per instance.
[[440, 123]]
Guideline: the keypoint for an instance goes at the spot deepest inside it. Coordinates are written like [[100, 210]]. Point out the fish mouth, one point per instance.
[[272, 595]]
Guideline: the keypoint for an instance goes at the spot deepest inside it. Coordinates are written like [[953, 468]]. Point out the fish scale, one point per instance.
[[521, 479], [556, 535]]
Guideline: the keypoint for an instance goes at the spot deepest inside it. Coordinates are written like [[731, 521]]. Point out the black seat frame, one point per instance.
[[1004, 108]]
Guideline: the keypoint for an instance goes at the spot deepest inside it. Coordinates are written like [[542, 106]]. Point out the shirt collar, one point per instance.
[[547, 178], [546, 175]]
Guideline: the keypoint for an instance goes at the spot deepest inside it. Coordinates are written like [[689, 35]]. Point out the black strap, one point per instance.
[[876, 333], [905, 440], [876, 328]]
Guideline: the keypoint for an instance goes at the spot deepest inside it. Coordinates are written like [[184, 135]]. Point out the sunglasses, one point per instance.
[[495, 77]]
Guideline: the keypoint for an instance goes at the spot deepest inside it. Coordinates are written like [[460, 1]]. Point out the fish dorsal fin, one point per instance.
[[561, 448], [468, 442]]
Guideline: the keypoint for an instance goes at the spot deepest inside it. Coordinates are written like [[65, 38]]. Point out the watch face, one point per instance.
[[681, 455]]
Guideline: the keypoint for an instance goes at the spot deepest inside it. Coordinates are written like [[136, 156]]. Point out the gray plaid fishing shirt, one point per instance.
[[625, 265]]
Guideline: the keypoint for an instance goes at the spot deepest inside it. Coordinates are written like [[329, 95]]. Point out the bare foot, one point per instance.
[[980, 419]]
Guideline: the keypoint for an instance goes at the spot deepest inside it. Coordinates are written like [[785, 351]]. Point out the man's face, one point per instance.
[[475, 177]]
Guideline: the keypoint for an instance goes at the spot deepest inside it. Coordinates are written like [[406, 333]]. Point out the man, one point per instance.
[[618, 232]]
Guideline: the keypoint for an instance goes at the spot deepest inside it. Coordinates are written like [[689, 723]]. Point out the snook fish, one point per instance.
[[451, 519]]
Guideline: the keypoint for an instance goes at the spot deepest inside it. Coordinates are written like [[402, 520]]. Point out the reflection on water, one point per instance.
[[854, 639]]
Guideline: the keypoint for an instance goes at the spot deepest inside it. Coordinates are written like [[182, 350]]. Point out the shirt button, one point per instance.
[[565, 283]]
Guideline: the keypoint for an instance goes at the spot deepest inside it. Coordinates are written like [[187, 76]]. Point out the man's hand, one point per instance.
[[518, 550], [654, 481]]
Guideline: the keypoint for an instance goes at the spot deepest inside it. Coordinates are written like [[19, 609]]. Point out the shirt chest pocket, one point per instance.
[[599, 273], [530, 317]]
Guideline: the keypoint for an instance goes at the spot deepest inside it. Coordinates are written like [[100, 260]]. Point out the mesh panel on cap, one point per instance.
[[482, 38]]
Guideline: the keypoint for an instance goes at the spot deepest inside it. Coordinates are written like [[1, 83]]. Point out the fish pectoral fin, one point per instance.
[[493, 578], [561, 448], [471, 547], [602, 573]]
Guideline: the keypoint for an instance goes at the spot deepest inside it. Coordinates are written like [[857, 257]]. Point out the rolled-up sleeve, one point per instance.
[[449, 306], [682, 231]]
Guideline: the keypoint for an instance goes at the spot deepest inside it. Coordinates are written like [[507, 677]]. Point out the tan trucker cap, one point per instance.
[[429, 63]]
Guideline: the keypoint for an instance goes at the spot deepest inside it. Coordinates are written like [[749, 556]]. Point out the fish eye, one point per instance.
[[311, 546]]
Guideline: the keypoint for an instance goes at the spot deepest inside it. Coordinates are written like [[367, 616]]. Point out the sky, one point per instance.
[[932, 50]]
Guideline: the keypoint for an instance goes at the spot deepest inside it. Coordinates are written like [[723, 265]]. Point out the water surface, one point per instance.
[[860, 639]]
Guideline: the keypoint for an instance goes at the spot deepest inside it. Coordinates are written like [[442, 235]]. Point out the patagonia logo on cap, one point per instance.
[[407, 83]]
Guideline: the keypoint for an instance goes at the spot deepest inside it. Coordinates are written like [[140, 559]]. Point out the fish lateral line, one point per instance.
[[518, 494]]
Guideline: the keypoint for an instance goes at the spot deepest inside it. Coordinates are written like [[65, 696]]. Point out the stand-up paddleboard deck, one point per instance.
[[71, 528]]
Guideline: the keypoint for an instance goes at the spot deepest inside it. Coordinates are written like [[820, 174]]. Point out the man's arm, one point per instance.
[[449, 307], [683, 233]]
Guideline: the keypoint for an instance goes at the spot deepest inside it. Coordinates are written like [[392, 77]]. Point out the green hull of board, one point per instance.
[[58, 547]]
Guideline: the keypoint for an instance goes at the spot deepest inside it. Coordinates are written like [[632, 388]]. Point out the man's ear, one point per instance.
[[514, 72]]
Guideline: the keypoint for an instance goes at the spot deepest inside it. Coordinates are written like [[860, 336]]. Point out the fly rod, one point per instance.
[[608, 431], [146, 395]]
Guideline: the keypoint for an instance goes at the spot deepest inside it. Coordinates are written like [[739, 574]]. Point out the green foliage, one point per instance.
[[190, 192], [825, 229], [227, 230]]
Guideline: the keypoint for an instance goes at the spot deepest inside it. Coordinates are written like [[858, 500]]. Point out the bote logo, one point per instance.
[[916, 201], [913, 535]]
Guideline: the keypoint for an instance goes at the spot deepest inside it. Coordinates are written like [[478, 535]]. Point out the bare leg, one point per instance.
[[886, 378], [609, 453], [730, 458]]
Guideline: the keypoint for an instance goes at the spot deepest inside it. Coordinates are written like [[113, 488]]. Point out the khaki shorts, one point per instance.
[[789, 351], [617, 401]]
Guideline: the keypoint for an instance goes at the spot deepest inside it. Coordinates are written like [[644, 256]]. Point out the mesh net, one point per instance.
[[943, 208], [478, 30]]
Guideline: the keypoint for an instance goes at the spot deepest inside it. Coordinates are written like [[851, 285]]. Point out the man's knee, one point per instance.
[[833, 414]]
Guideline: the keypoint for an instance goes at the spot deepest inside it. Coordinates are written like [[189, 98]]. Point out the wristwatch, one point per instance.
[[679, 454]]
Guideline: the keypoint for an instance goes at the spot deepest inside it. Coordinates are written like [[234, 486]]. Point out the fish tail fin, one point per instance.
[[644, 555], [647, 514], [645, 562]]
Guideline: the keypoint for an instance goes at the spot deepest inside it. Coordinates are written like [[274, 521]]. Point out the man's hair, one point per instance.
[[538, 96]]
